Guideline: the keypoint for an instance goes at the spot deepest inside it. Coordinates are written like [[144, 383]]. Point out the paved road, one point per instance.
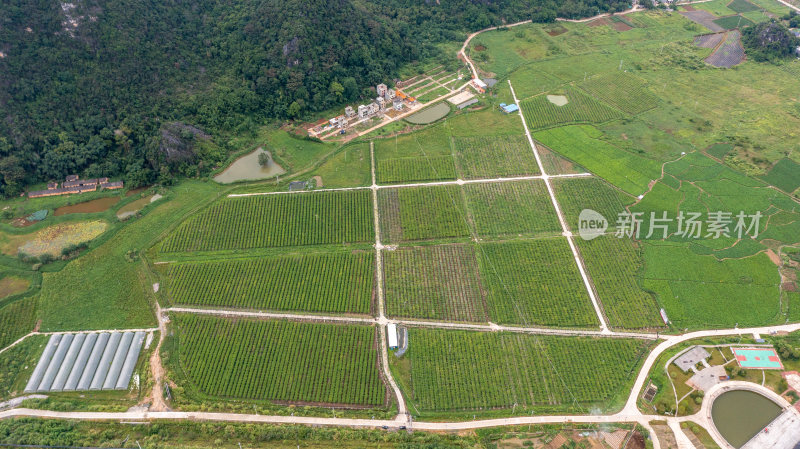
[[788, 5]]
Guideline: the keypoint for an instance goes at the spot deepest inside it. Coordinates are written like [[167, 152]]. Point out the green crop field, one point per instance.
[[732, 22], [16, 320], [275, 221], [280, 360], [460, 370], [541, 113], [613, 264], [411, 169], [581, 144], [490, 157], [742, 6], [535, 283], [336, 282], [575, 195], [624, 91], [785, 175], [422, 213], [434, 282], [511, 208], [702, 291]]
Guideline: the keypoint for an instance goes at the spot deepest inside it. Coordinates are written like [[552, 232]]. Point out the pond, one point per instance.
[[430, 114], [131, 208], [740, 414], [247, 168], [88, 207]]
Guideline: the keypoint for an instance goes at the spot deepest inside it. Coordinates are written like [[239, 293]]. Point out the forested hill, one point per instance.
[[86, 87]]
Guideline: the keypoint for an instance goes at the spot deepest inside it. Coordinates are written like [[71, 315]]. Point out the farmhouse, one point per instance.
[[349, 112], [381, 89], [397, 104], [73, 184], [509, 108]]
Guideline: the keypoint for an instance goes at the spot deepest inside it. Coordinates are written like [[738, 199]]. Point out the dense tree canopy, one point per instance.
[[769, 41], [88, 89]]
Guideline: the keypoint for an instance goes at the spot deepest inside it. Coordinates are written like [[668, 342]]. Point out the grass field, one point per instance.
[[535, 283], [331, 282], [17, 364], [16, 320], [280, 361], [511, 208], [742, 6], [434, 282], [275, 221], [701, 291], [613, 264], [494, 156], [422, 213], [103, 279], [624, 91], [459, 370], [731, 22], [541, 113], [581, 144]]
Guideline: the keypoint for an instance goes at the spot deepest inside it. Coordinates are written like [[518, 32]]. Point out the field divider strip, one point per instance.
[[375, 186], [276, 315], [564, 226]]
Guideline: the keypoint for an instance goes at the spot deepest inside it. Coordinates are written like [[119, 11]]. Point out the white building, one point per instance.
[[398, 104], [340, 121], [390, 94], [381, 103], [391, 335], [381, 89], [363, 111], [349, 112], [373, 108]]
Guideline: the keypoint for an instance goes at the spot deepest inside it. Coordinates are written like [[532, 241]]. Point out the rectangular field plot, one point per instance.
[[280, 361], [535, 283], [276, 221], [491, 157], [613, 264], [575, 195], [465, 371], [434, 282], [621, 90], [540, 112], [411, 169], [422, 213], [512, 208], [335, 282], [583, 145]]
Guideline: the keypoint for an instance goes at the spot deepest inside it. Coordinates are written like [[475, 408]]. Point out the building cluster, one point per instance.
[[387, 99], [72, 184]]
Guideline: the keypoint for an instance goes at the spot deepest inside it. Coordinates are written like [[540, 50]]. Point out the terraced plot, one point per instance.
[[541, 113], [280, 361], [535, 283], [276, 221], [335, 282], [422, 213], [511, 208], [491, 157], [460, 370], [434, 282], [624, 91], [613, 264]]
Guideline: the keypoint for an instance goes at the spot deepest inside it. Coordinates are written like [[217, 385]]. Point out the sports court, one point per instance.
[[758, 358]]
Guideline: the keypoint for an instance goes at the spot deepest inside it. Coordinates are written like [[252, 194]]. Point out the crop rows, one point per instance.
[[275, 221], [339, 282], [411, 169], [535, 283], [280, 360], [540, 113], [511, 208], [575, 195], [460, 370], [491, 157], [623, 91], [16, 320], [434, 282], [613, 264], [422, 213]]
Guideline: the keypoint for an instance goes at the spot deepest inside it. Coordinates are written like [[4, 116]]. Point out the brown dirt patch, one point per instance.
[[556, 31], [318, 181], [11, 285], [789, 286], [599, 22], [636, 441], [21, 222], [620, 26], [480, 48], [689, 8], [774, 257]]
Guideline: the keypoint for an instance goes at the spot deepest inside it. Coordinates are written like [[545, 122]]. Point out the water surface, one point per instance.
[[739, 415]]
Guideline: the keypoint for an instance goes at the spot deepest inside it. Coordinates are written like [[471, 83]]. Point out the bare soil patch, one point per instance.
[[480, 48], [556, 31], [599, 22], [620, 26], [704, 18]]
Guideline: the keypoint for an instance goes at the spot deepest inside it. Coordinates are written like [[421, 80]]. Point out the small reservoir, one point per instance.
[[247, 168], [740, 414], [429, 115]]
